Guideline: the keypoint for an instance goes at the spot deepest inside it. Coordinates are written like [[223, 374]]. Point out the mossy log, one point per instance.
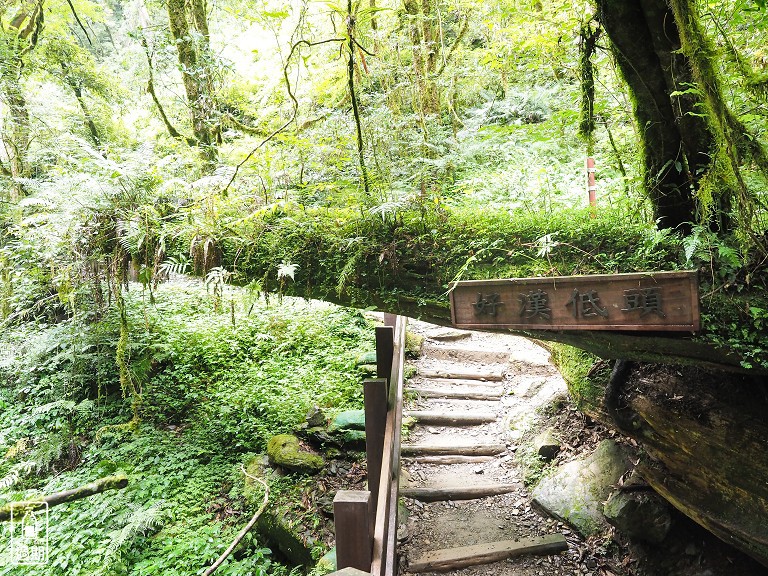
[[705, 439], [117, 482]]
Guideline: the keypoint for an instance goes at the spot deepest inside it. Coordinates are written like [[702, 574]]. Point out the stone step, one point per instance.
[[458, 492], [487, 553]]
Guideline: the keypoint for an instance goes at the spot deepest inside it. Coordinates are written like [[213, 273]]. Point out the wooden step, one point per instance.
[[462, 492], [443, 419], [457, 393], [493, 375], [452, 450], [464, 556], [459, 382], [449, 460]]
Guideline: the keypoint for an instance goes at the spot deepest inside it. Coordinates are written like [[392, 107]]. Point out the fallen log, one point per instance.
[[465, 556], [705, 440], [117, 482], [445, 493]]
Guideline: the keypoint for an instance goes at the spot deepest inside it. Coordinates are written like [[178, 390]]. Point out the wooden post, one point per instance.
[[591, 186], [351, 517], [385, 348], [375, 392]]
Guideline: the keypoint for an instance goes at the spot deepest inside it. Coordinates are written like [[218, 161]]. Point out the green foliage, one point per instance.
[[586, 380], [213, 392]]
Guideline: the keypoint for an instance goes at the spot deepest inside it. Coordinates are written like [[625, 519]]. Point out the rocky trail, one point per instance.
[[473, 399]]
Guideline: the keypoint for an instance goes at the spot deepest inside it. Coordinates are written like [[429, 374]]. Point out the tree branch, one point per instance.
[[293, 99], [77, 18], [245, 529], [116, 482]]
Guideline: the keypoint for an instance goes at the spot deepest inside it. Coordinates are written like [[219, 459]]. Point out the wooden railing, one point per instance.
[[366, 520]]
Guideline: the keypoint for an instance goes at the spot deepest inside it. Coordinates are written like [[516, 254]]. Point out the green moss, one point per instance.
[[284, 450], [575, 365]]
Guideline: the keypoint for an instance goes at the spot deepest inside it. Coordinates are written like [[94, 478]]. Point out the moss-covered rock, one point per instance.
[[576, 492], [279, 534], [348, 420], [285, 450], [366, 358]]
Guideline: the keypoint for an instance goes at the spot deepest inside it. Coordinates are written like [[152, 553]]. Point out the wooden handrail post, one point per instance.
[[375, 395], [351, 517], [385, 348]]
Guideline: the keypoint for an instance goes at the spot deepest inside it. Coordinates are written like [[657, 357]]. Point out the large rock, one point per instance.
[[639, 515], [277, 533], [284, 450], [547, 445], [348, 420], [577, 490]]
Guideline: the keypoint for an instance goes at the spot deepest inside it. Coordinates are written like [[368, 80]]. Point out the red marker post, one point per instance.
[[591, 186]]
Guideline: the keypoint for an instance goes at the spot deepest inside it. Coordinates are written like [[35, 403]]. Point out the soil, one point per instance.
[[534, 398]]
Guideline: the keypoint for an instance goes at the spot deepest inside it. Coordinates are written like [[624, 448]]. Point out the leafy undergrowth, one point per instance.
[[213, 392]]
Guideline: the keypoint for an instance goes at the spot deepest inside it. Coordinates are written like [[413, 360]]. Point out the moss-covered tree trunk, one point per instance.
[[678, 139], [704, 440], [194, 71], [18, 37]]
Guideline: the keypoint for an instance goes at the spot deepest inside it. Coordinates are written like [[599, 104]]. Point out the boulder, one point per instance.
[[315, 417], [366, 358], [639, 515], [277, 533], [285, 450], [348, 420], [547, 445], [326, 564], [576, 491]]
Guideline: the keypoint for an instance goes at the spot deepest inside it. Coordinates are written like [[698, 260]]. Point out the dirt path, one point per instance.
[[529, 383]]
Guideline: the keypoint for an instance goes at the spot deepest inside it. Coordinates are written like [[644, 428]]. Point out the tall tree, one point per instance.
[[692, 144], [21, 26], [189, 27]]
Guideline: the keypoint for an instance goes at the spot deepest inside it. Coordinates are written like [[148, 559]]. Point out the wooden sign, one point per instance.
[[664, 301]]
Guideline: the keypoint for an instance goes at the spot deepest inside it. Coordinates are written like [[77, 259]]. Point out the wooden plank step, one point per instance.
[[443, 419], [459, 382], [457, 394], [495, 375], [437, 450], [462, 492], [464, 556], [449, 460]]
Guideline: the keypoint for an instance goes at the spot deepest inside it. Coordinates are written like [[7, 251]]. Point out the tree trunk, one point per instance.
[[193, 72], [117, 482], [677, 141], [705, 437], [16, 134]]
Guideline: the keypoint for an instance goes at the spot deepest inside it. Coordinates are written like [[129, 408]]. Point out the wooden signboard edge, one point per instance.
[[690, 275]]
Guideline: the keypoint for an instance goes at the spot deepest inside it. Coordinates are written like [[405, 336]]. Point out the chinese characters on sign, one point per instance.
[[645, 301], [487, 305], [28, 529], [535, 304]]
